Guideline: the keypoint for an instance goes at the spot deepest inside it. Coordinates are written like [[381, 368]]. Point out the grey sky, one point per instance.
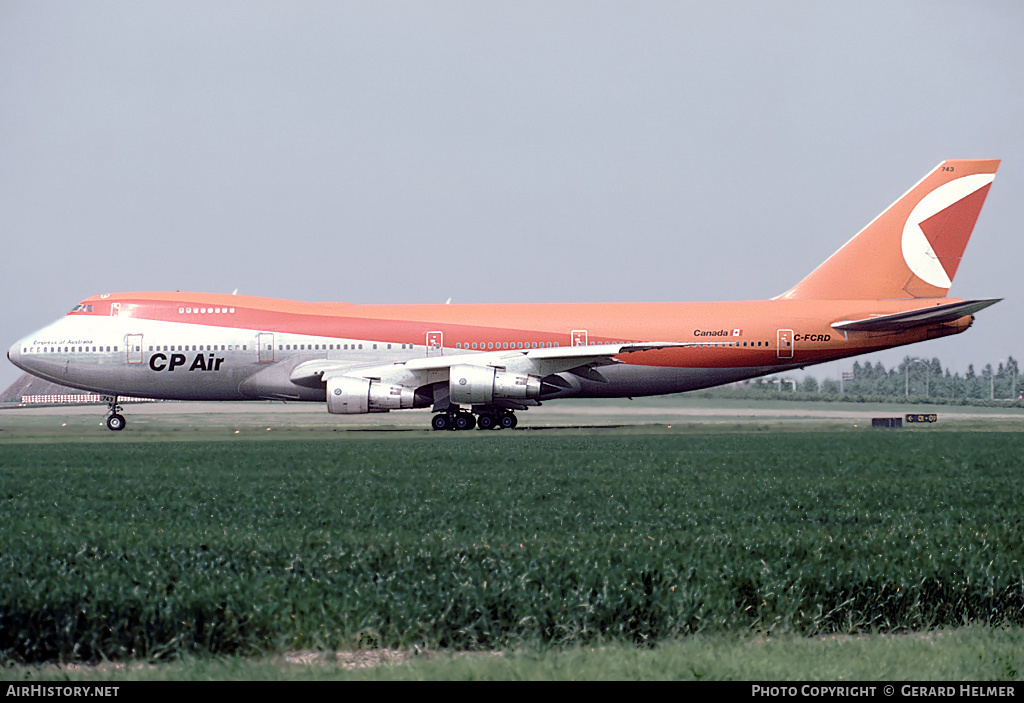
[[493, 152]]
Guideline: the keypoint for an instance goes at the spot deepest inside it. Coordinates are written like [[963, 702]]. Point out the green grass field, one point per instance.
[[127, 548], [951, 655]]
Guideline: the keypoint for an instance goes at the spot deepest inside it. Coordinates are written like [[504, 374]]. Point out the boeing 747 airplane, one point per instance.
[[476, 365]]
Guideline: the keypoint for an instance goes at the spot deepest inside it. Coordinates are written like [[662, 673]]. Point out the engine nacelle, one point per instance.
[[479, 385], [347, 395]]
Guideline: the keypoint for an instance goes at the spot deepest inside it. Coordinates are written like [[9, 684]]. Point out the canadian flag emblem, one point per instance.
[[737, 332]]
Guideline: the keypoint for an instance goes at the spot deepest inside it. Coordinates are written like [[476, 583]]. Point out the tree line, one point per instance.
[[921, 380], [914, 377]]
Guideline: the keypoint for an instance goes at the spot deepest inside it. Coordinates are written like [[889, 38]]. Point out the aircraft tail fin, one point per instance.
[[913, 249]]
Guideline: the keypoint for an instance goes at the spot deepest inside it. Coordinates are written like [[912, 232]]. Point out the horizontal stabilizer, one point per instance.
[[935, 314]]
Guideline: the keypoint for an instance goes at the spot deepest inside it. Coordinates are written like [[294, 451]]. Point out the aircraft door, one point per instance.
[[785, 344], [133, 345], [579, 338], [115, 309], [266, 346], [435, 343]]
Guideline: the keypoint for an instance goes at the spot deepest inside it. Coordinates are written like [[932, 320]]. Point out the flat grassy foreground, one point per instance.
[[961, 654], [475, 542]]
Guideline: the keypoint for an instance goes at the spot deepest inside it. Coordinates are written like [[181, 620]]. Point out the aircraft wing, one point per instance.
[[913, 318], [543, 362], [431, 369]]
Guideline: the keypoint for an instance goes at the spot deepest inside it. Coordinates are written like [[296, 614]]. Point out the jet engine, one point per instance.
[[479, 385], [347, 395]]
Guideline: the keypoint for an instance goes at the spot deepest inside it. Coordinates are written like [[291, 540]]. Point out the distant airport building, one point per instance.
[[75, 398], [30, 390]]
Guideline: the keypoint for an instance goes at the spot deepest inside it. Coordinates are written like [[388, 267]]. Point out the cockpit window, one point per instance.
[[82, 308]]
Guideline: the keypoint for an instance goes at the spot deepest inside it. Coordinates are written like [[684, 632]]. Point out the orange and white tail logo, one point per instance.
[[913, 249]]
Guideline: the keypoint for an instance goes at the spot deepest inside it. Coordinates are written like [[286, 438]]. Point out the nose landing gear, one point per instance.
[[115, 420]]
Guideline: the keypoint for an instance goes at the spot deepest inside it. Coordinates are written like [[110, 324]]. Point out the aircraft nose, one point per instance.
[[14, 353]]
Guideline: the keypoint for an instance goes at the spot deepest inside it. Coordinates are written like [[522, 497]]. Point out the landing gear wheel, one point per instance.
[[486, 422], [465, 421], [508, 421], [115, 420], [441, 422]]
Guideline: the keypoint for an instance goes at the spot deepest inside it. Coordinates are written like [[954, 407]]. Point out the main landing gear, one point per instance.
[[115, 420], [490, 419]]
